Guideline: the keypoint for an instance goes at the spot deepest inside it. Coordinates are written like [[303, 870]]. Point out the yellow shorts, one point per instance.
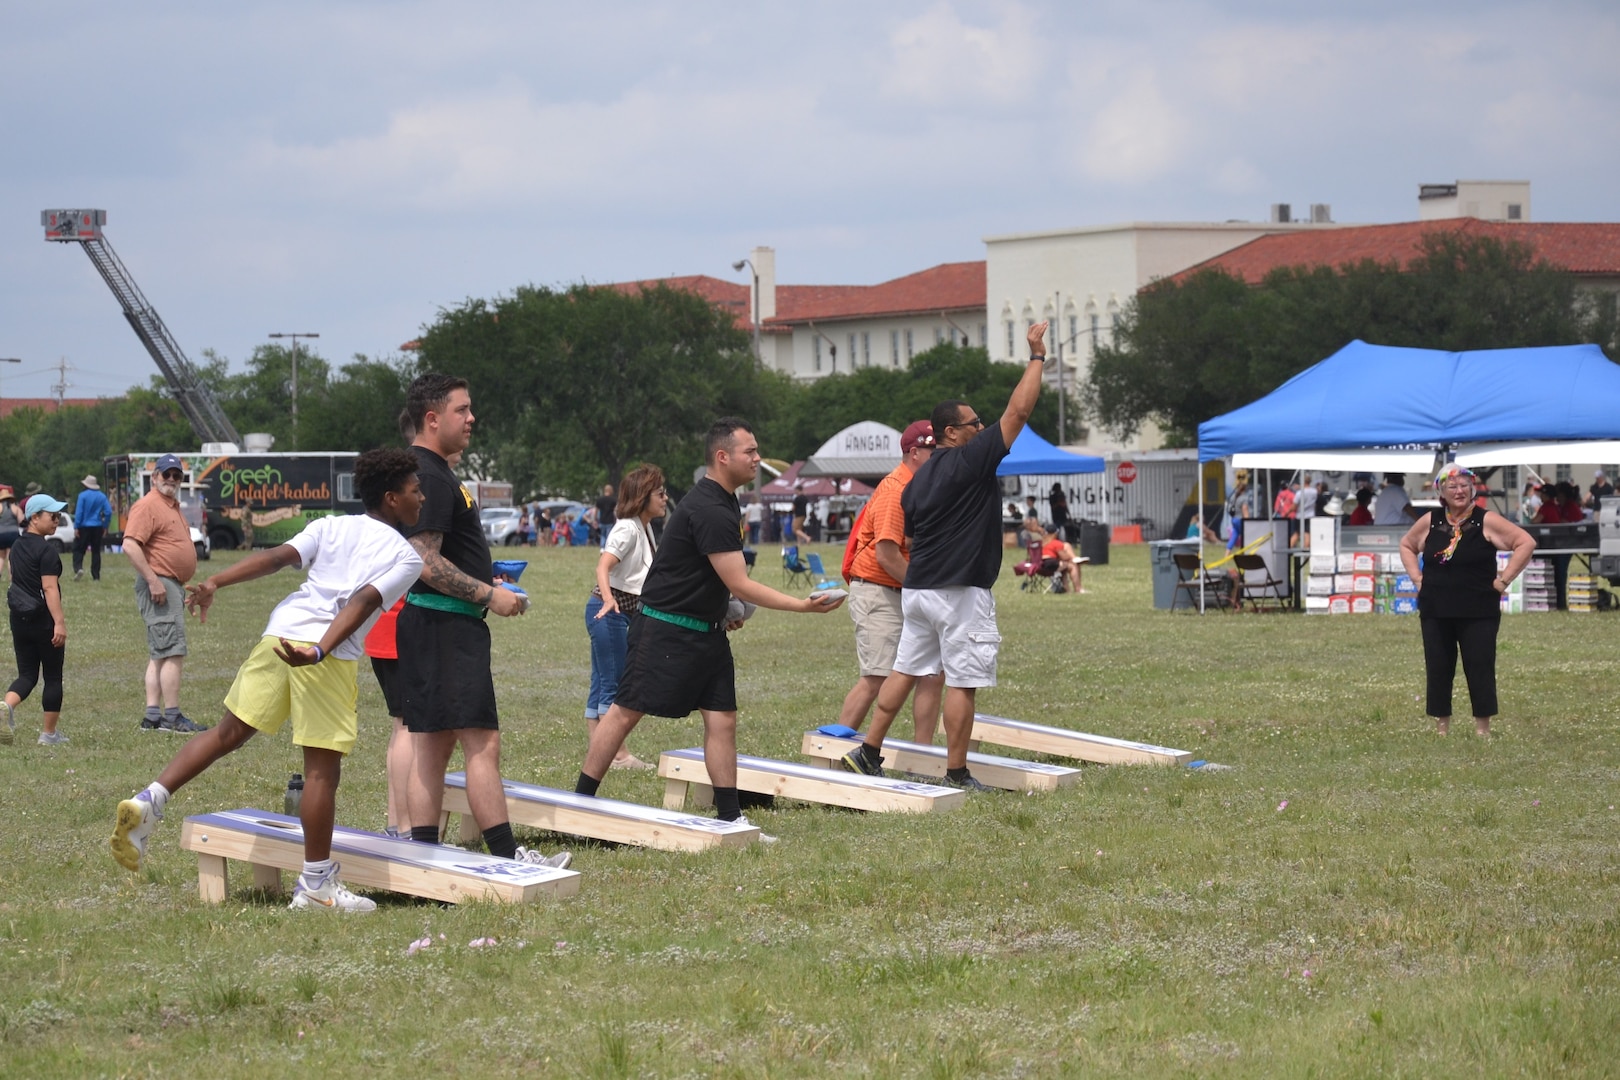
[[320, 698]]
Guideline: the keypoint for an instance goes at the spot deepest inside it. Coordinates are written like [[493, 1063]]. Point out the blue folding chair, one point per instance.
[[818, 573], [793, 568]]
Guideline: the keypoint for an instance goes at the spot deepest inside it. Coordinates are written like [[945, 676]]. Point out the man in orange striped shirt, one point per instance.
[[882, 551]]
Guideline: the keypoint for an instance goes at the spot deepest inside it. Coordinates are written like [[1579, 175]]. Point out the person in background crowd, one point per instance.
[[1055, 547], [1459, 593], [801, 511], [1555, 499], [604, 513], [1529, 502], [1058, 503], [1394, 506], [616, 597], [1362, 514], [1305, 507], [754, 515], [1601, 489], [38, 627], [11, 524], [1284, 508], [91, 513]]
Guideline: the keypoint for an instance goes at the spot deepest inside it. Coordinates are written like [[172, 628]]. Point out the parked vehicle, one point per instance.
[[62, 539], [501, 525]]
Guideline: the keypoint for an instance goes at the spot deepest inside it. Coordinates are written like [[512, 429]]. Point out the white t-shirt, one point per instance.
[[1305, 502], [1391, 506], [342, 555], [632, 542]]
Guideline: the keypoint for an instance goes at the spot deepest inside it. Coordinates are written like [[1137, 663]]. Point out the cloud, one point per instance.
[[1135, 135], [937, 59]]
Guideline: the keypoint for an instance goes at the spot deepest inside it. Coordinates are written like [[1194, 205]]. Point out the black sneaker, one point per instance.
[[148, 724], [183, 725], [857, 761], [967, 783]]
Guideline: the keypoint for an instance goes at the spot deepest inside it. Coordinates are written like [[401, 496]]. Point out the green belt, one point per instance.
[[680, 620], [440, 602]]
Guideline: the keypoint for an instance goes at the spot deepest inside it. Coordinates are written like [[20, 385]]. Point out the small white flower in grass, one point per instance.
[[1536, 803], [481, 943], [418, 945], [1282, 806]]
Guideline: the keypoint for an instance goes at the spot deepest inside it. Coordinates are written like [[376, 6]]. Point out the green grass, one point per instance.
[[1453, 900]]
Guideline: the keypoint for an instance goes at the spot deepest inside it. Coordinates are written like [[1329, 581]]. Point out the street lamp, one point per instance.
[[295, 338], [754, 315]]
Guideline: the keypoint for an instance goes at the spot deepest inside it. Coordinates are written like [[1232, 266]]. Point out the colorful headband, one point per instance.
[[1450, 472]]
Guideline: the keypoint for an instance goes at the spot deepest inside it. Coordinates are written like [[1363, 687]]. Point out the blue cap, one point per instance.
[[41, 504], [167, 462]]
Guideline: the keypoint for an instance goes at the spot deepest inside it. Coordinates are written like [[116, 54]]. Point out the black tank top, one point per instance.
[[1460, 587]]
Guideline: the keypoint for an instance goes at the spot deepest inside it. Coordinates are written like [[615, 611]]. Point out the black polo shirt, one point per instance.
[[953, 515], [449, 509], [33, 558], [681, 580]]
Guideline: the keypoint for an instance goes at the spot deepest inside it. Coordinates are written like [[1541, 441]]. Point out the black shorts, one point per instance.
[[670, 670], [387, 672], [445, 682]]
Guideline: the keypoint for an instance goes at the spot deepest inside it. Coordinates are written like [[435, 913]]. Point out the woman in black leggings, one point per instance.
[[1459, 592], [38, 630]]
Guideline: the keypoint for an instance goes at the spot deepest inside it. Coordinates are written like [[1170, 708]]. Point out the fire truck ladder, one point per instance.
[[207, 419]]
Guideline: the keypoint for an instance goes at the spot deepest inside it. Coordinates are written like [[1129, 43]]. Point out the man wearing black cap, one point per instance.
[[953, 516], [878, 570], [158, 543]]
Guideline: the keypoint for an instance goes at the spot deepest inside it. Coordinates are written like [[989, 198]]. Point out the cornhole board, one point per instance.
[[271, 843], [925, 760], [1060, 742], [600, 819], [683, 769]]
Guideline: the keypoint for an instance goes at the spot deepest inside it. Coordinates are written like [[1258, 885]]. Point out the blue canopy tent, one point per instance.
[[1031, 455], [1380, 395]]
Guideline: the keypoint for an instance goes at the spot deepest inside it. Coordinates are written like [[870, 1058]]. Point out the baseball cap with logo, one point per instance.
[[918, 433], [167, 462]]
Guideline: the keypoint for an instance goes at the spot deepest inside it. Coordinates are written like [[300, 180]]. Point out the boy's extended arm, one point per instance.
[[257, 565]]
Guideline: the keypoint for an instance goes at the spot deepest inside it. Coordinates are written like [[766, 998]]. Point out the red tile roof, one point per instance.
[[1583, 248], [10, 405]]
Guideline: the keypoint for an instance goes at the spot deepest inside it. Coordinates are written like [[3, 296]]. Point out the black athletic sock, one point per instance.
[[425, 834], [586, 785], [725, 804], [870, 753], [499, 840], [957, 775]]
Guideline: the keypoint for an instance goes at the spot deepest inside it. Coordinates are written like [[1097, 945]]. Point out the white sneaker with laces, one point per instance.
[[764, 837], [329, 895], [137, 818], [558, 861], [8, 724]]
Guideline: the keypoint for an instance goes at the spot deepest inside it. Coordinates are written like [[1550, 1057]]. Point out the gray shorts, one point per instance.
[[166, 622]]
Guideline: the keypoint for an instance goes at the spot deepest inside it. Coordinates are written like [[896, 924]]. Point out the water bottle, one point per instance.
[[292, 802]]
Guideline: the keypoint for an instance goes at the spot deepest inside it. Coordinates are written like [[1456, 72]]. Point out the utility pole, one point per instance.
[[61, 382], [294, 338]]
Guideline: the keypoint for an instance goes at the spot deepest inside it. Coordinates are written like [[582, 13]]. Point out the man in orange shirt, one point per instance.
[[158, 543], [878, 571]]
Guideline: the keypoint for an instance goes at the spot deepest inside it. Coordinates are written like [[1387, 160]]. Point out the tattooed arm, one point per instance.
[[442, 574]]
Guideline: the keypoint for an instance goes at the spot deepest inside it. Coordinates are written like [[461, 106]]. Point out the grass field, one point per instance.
[[1355, 897]]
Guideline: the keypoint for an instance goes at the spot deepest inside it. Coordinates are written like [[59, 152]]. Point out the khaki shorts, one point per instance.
[[165, 622], [319, 698], [875, 611], [952, 628]]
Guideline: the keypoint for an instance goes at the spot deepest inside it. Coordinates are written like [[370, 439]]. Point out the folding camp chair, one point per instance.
[[1256, 585], [793, 568], [1040, 574], [818, 573], [1192, 574]]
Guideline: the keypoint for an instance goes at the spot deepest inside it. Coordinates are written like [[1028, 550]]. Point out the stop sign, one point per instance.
[[1126, 471]]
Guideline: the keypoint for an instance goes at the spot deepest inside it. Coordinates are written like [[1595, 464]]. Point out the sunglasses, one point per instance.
[[972, 421]]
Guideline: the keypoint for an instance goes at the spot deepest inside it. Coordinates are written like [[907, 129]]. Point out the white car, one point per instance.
[[62, 539]]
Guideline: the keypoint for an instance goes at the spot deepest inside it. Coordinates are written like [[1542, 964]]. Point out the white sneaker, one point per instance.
[[137, 818], [330, 895], [764, 837], [52, 738], [558, 861], [8, 724]]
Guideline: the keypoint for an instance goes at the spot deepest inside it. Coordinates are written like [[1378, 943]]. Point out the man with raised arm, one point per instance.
[[953, 517], [447, 689], [679, 657], [304, 665]]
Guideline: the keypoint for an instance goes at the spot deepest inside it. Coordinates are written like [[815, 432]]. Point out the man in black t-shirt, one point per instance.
[[679, 658], [447, 689], [953, 517], [801, 511], [1601, 489]]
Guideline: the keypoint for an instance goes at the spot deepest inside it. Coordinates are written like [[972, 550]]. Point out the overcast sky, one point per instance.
[[349, 168]]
